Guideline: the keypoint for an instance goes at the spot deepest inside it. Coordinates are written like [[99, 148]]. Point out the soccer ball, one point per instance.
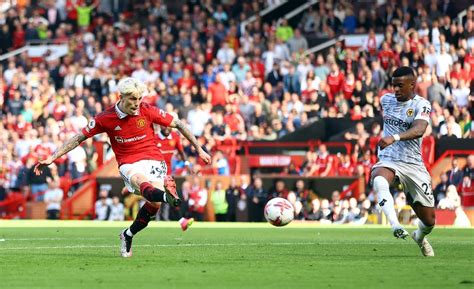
[[279, 212]]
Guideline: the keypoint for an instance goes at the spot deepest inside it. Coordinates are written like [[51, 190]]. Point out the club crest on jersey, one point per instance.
[[141, 123], [410, 112]]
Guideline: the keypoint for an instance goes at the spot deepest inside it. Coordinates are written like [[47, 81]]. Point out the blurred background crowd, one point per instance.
[[229, 81]]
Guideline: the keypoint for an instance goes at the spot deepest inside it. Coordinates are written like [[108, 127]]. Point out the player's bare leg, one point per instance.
[[382, 178], [425, 226], [154, 196]]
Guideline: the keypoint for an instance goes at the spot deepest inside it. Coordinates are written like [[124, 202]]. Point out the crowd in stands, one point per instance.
[[226, 80]]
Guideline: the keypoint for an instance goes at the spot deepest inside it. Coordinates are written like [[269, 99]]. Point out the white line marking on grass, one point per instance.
[[159, 245], [48, 239]]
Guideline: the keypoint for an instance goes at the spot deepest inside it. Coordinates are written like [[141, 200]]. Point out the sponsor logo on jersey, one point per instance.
[[396, 122], [410, 112], [141, 123], [120, 139]]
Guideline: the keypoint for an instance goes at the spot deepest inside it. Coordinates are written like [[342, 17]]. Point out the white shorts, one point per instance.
[[152, 170], [415, 179]]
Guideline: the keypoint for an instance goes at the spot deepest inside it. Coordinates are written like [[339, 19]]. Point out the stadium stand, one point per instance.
[[236, 85]]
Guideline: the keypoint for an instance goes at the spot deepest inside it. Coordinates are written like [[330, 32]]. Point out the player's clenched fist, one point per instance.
[[386, 141]]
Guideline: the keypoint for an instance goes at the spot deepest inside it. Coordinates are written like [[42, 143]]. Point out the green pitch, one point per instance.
[[86, 255]]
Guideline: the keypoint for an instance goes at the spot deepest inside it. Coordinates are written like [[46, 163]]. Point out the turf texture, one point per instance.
[[42, 254]]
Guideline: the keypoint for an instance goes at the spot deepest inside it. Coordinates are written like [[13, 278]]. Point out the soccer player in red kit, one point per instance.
[[168, 142], [129, 125]]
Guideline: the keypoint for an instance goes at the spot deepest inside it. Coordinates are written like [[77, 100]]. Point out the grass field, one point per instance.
[[45, 254]]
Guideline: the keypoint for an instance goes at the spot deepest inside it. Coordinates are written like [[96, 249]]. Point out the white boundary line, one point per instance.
[[84, 246], [164, 245]]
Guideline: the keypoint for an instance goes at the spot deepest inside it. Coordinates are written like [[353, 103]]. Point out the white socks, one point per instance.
[[385, 199], [129, 233], [422, 231]]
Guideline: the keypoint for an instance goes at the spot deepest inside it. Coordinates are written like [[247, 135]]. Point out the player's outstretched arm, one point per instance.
[[68, 146], [416, 131], [177, 123]]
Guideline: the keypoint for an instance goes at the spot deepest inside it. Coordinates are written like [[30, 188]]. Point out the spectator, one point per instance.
[[284, 31], [469, 168], [441, 188], [257, 197], [453, 202], [197, 200], [297, 43], [39, 183], [53, 197], [279, 190], [233, 194], [91, 156], [452, 125], [218, 198], [102, 206], [117, 210], [455, 174], [316, 213], [327, 214], [84, 14]]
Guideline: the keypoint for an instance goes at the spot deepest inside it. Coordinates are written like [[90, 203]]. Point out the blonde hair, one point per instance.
[[131, 86]]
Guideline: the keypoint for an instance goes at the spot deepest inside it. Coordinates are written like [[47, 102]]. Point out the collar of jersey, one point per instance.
[[120, 113], [164, 137]]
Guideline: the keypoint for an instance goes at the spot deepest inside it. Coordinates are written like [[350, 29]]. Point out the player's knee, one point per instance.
[[431, 221]]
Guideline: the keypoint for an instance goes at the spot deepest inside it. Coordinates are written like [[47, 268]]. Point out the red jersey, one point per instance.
[[335, 82], [132, 136], [384, 57], [219, 93], [167, 146], [348, 89], [463, 74], [234, 121], [324, 161]]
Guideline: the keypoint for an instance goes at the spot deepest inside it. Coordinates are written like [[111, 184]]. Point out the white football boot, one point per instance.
[[424, 245]]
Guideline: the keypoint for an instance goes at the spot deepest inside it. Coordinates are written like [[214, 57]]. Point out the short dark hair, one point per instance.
[[403, 71]]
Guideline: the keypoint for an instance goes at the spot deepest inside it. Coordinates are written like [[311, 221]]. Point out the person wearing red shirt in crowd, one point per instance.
[[169, 141], [129, 125], [371, 43], [233, 119], [460, 73], [187, 80], [19, 36], [324, 161], [258, 68], [385, 55], [217, 94], [335, 81], [345, 168], [414, 41], [210, 51], [197, 200], [348, 86], [469, 59]]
